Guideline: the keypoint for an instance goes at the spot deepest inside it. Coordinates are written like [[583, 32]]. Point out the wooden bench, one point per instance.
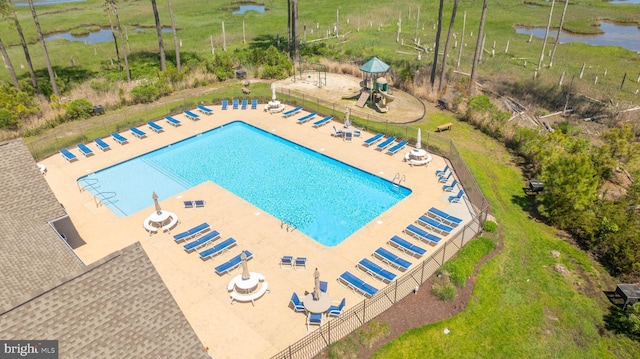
[[446, 126]]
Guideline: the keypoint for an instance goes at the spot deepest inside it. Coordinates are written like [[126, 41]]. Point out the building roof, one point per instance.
[[375, 66], [32, 256], [117, 307]]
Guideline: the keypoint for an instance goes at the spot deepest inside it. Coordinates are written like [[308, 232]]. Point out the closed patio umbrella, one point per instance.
[[419, 140], [316, 289], [347, 121], [155, 202], [245, 267]]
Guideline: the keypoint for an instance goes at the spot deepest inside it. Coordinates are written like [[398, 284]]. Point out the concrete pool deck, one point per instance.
[[240, 329]]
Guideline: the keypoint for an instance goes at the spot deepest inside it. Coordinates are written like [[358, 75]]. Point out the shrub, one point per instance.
[[490, 226], [8, 120], [78, 109], [144, 94]]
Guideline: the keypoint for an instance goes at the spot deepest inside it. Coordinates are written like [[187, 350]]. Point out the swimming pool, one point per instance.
[[323, 198]]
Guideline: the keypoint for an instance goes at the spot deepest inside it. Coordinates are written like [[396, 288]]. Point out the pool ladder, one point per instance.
[[288, 226], [400, 179]]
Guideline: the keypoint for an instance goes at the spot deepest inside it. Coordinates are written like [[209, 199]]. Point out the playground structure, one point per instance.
[[306, 71], [375, 90]]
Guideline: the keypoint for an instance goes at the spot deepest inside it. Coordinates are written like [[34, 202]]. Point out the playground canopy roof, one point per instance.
[[375, 66]]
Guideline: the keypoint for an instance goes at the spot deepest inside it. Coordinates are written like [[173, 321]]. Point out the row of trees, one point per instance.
[[576, 172]]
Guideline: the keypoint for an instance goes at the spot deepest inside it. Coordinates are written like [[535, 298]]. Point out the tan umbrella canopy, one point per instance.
[[419, 140], [155, 202], [245, 266], [316, 289]]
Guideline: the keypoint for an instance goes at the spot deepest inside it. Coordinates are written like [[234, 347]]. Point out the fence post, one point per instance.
[[444, 249], [364, 310]]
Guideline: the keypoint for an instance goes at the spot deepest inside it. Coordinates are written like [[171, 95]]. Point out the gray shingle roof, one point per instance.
[[116, 308], [32, 256]]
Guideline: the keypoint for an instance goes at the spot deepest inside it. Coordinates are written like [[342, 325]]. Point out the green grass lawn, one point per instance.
[[520, 307]]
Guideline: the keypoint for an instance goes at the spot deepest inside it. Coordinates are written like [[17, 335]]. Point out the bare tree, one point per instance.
[[114, 7], [476, 56], [52, 76], [546, 36], [555, 44], [7, 62], [294, 29], [175, 36], [446, 45], [6, 7], [437, 46], [163, 60]]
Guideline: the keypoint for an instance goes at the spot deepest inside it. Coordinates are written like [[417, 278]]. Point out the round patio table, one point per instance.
[[317, 306], [246, 285]]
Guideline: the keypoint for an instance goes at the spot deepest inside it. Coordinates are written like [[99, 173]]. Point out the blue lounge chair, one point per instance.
[[397, 147], [406, 246], [232, 263], [314, 319], [375, 270], [384, 144], [356, 284], [348, 136], [86, 151], [300, 262], [202, 241], [298, 305], [371, 140], [434, 225], [286, 261], [450, 187], [336, 310], [443, 179], [456, 198], [244, 104], [292, 112], [324, 286], [391, 259], [224, 105], [218, 248], [191, 115], [306, 118], [138, 132], [322, 121], [192, 232], [236, 103], [119, 138], [442, 172], [205, 110], [67, 155], [173, 121], [155, 127], [199, 203], [254, 104], [101, 144], [189, 204], [422, 234], [336, 132], [443, 217]]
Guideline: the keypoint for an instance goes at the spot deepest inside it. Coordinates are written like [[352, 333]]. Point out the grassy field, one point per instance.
[[521, 307], [369, 29]]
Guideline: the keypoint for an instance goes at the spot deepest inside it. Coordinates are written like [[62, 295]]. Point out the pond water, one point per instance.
[[245, 8], [625, 36], [44, 2], [104, 35], [624, 2]]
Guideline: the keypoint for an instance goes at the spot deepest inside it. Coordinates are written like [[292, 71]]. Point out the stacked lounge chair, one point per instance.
[[173, 121], [406, 246], [391, 259], [422, 234], [443, 217], [218, 248], [192, 232], [119, 138], [356, 284], [375, 270], [202, 241], [86, 151], [232, 263], [67, 155]]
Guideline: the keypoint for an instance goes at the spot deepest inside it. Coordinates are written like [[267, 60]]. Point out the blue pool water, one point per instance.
[[323, 198]]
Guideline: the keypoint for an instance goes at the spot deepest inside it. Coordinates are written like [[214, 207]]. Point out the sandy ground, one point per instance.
[[242, 329], [404, 108]]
